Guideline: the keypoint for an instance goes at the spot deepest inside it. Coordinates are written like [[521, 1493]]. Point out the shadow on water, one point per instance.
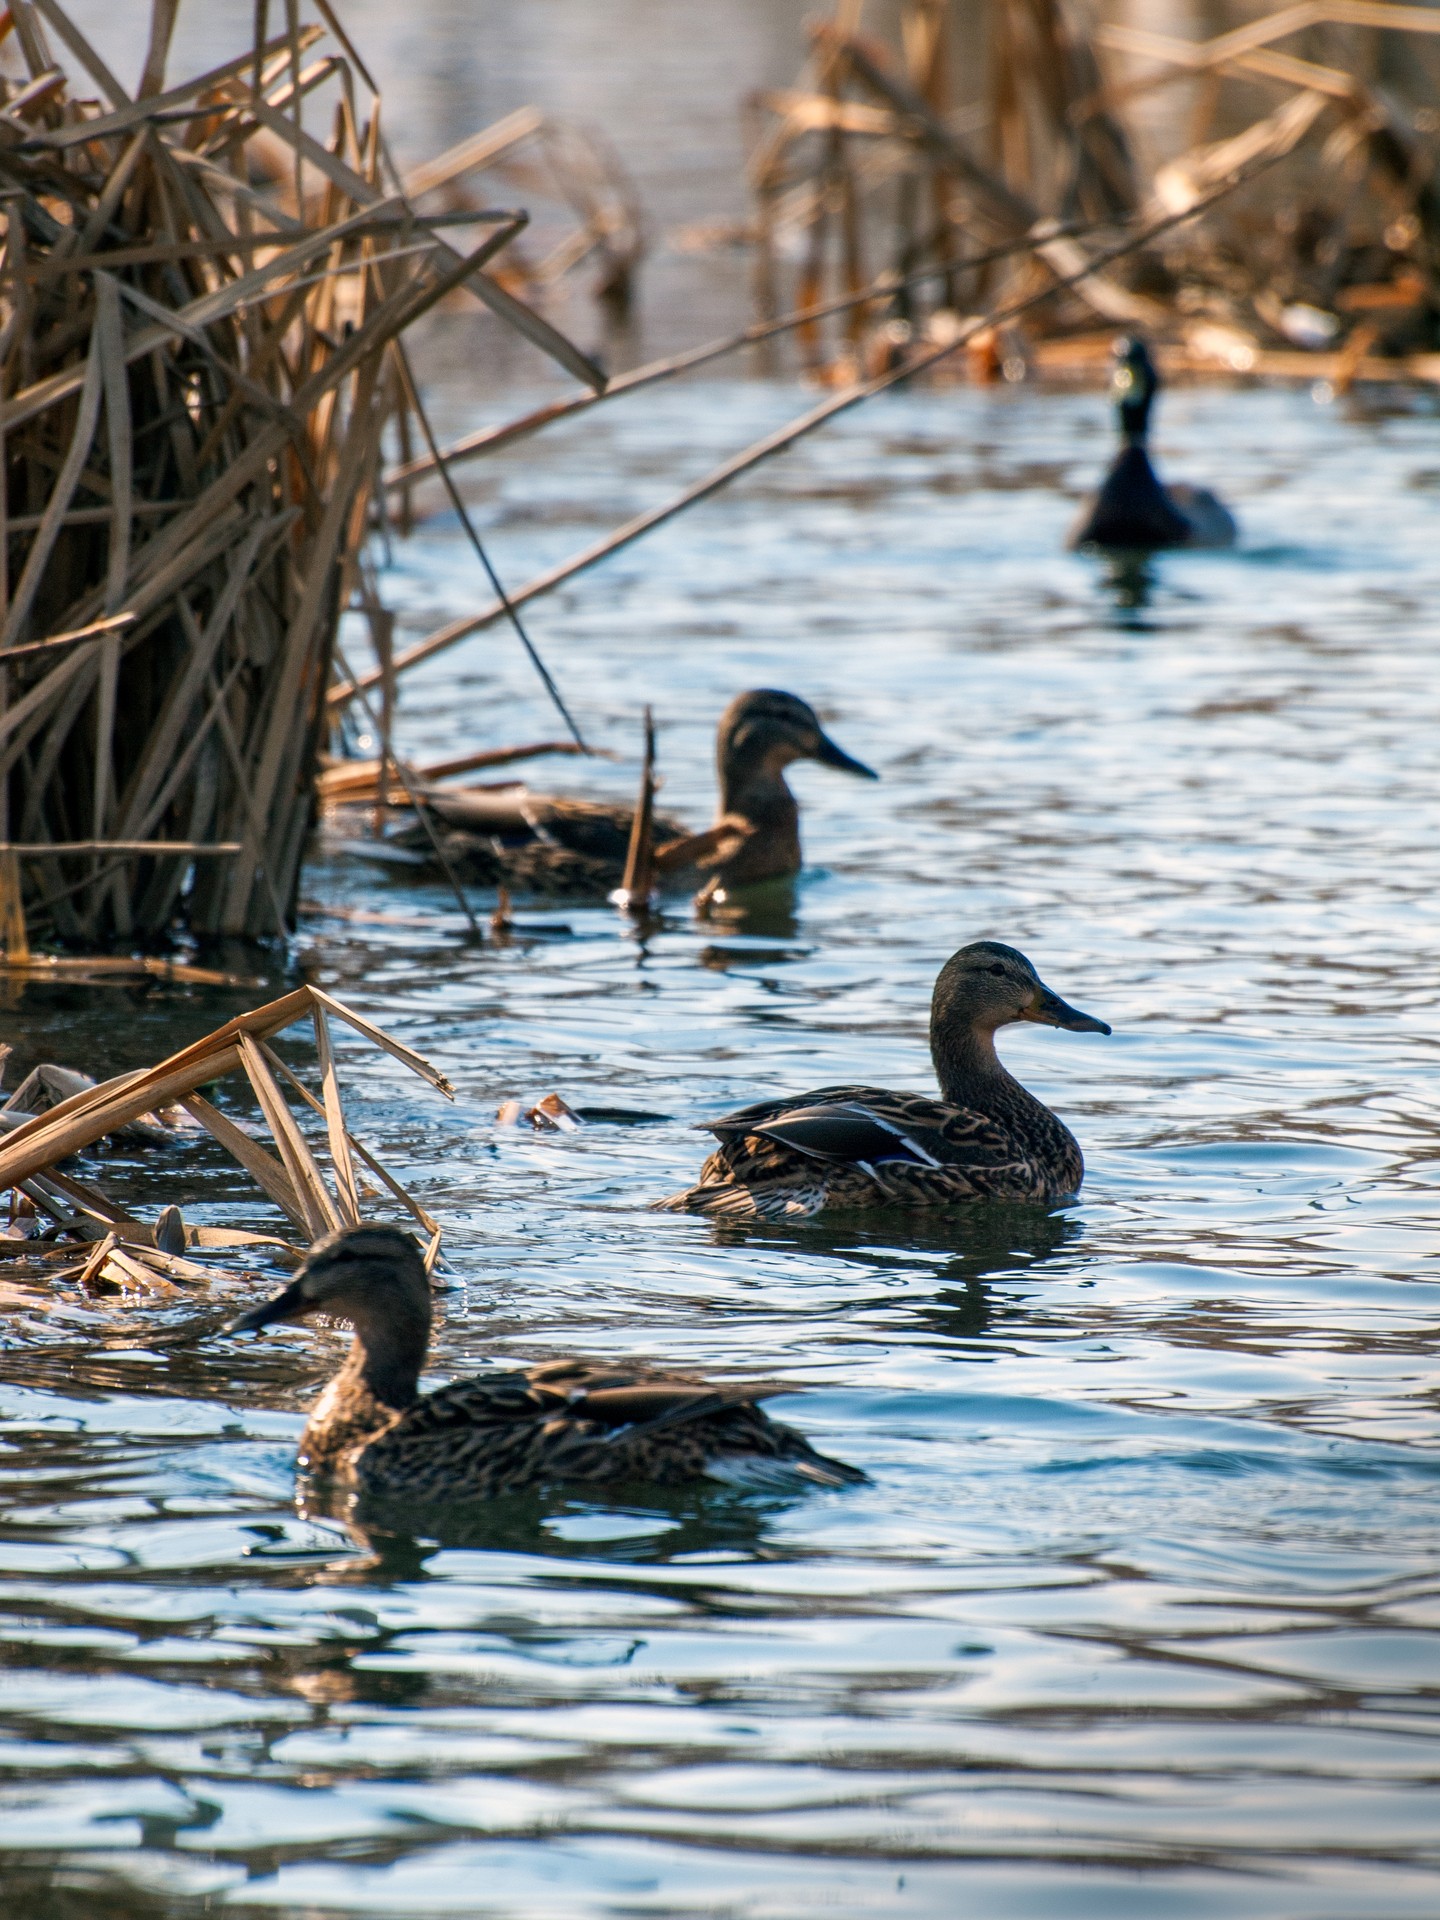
[[71, 1892]]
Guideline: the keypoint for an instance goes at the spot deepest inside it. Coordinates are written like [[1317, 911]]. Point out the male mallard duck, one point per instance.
[[985, 1138], [585, 1421], [544, 844], [1133, 509]]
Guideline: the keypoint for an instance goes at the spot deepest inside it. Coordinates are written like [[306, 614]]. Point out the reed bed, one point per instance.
[[886, 155], [202, 311]]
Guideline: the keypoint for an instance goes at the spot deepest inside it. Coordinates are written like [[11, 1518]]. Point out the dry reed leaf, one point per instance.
[[405, 1055], [356, 782], [697, 849], [86, 1117], [319, 1208], [347, 1190], [234, 343], [293, 1180], [354, 1146], [262, 1167]]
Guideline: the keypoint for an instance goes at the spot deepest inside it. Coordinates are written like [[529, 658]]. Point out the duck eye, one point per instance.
[[998, 969]]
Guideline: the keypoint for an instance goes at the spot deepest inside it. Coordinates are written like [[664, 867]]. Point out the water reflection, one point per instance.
[[1142, 1597], [1130, 580], [764, 912], [973, 1240], [637, 1526], [720, 958]]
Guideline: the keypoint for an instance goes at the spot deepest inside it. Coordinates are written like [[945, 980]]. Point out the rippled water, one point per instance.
[[1139, 1616]]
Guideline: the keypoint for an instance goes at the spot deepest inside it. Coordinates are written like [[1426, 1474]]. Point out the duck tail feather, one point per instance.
[[733, 1201], [767, 1473]]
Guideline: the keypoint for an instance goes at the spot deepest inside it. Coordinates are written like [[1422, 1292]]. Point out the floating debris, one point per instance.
[[636, 892], [46, 1086], [291, 1175], [548, 1115]]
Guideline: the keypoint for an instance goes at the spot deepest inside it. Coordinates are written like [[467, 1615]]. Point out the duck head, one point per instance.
[[1134, 386], [982, 988], [761, 733], [374, 1278]]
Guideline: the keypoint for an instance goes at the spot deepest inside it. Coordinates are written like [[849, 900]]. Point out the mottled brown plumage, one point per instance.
[[581, 1421], [844, 1147], [541, 843]]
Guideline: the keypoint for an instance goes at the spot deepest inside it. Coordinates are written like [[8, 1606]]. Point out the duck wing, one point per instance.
[[872, 1126], [1211, 522], [857, 1147], [580, 1420], [540, 842]]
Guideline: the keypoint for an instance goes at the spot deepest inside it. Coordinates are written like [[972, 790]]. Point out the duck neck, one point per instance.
[[969, 1069], [757, 791], [1134, 415], [386, 1361], [379, 1380], [754, 789]]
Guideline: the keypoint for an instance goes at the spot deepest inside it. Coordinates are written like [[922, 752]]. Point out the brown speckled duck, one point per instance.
[[985, 1138], [581, 1421], [541, 843]]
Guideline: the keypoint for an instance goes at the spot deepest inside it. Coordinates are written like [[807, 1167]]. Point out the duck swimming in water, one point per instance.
[[581, 1421], [985, 1138], [1133, 510], [539, 843]]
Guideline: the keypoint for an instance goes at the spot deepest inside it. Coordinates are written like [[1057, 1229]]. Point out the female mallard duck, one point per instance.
[[582, 1421], [545, 844], [1133, 509], [985, 1138]]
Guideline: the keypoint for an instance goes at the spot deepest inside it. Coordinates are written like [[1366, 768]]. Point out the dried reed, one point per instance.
[[197, 372], [876, 154], [291, 1175]]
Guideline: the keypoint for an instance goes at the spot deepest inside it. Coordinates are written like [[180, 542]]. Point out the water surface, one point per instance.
[[1139, 1615]]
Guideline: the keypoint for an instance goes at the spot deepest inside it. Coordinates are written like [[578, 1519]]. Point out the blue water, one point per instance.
[[1139, 1615]]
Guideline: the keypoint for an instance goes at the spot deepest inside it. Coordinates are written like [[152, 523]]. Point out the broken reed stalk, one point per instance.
[[291, 1176], [358, 782], [192, 408], [637, 887]]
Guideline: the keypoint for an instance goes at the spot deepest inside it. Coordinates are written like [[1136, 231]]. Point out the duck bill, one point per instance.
[[289, 1305], [1049, 1010], [829, 755]]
